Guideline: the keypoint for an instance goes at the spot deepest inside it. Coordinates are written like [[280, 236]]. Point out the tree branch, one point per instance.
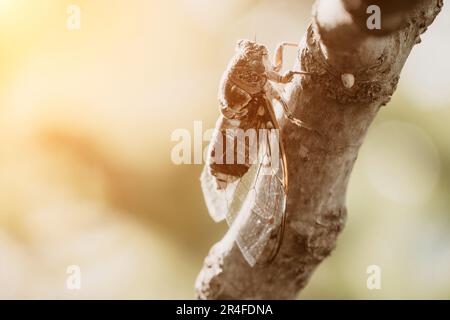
[[341, 108]]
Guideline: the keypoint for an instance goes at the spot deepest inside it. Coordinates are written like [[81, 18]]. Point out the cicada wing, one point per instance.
[[217, 200], [258, 206]]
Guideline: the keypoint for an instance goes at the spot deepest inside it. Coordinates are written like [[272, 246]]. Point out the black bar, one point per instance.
[[196, 309]]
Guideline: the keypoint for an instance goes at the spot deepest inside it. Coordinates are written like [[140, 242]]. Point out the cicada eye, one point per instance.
[[258, 66]]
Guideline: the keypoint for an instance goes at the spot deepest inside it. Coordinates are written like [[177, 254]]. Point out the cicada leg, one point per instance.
[[278, 56]]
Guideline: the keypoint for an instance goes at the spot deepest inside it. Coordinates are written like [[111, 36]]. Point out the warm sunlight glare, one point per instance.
[[5, 5]]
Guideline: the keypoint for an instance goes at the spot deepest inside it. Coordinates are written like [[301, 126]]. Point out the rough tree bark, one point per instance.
[[337, 42]]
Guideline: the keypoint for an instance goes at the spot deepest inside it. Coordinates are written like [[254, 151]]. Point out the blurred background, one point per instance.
[[86, 177]]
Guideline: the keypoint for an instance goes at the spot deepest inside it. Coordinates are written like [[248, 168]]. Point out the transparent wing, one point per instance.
[[258, 202], [254, 205], [217, 200]]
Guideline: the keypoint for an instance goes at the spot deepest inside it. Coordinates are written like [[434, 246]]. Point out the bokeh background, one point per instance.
[[86, 178]]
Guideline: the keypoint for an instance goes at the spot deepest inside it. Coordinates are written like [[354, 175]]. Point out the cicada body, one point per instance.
[[245, 179]]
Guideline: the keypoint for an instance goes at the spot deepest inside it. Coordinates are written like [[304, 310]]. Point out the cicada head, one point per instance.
[[253, 54]]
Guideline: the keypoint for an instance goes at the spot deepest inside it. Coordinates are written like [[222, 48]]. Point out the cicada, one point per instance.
[[245, 179]]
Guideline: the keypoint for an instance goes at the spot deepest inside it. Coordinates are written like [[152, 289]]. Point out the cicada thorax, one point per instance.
[[244, 108]]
